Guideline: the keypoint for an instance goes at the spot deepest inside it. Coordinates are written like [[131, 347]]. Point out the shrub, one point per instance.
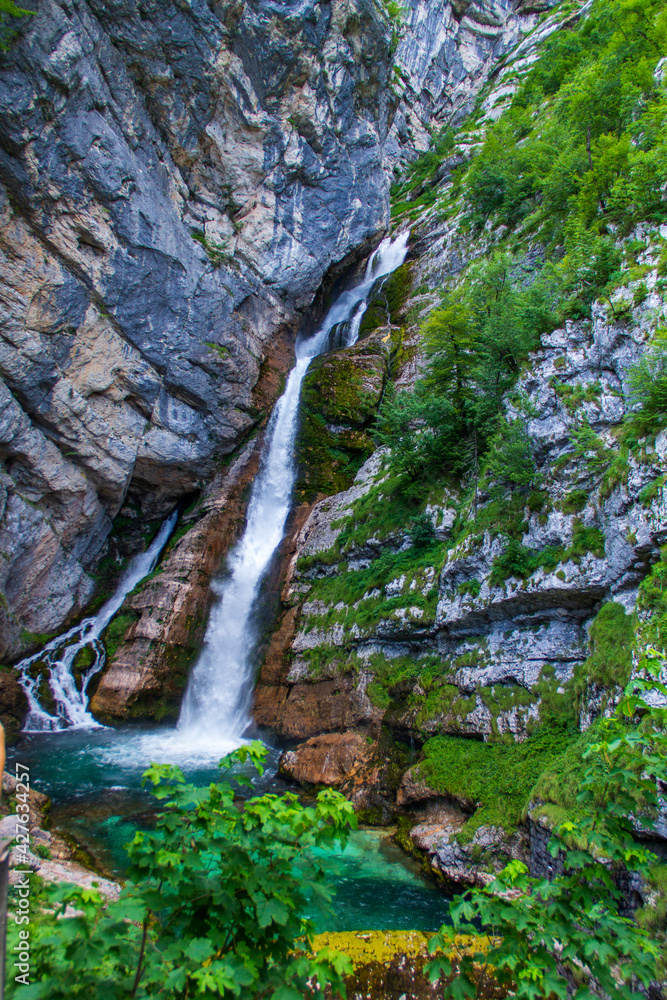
[[648, 386], [566, 937], [214, 905], [422, 532]]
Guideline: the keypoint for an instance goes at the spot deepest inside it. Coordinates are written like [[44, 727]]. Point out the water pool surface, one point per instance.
[[94, 780]]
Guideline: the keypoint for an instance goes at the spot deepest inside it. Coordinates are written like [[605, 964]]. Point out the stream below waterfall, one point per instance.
[[93, 773]]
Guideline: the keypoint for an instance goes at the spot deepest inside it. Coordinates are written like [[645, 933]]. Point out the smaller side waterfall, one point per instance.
[[217, 700], [59, 654]]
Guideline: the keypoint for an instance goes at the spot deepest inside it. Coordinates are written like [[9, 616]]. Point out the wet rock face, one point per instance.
[[130, 350], [164, 619]]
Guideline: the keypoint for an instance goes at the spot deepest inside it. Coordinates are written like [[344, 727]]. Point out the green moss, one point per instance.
[[556, 702], [611, 638], [494, 779], [83, 659], [340, 396], [388, 304], [560, 781], [218, 348], [116, 630], [575, 501], [654, 916], [653, 602]]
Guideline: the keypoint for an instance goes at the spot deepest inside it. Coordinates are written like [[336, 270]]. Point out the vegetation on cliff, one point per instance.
[[570, 935]]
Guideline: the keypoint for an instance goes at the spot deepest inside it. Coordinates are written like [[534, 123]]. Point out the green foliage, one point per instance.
[[475, 341], [352, 588], [216, 252], [648, 386], [509, 465], [584, 139], [575, 501], [421, 171], [611, 641], [494, 779], [471, 587], [590, 448], [421, 431], [585, 540], [9, 12], [541, 929], [650, 492], [520, 562], [653, 601], [213, 906], [422, 532]]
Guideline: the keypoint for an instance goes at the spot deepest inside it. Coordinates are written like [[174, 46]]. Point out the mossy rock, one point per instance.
[[390, 965], [83, 660], [611, 639], [388, 304], [498, 778], [116, 632], [340, 396], [346, 387]]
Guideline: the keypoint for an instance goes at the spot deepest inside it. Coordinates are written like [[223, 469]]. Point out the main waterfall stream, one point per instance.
[[93, 773], [217, 699]]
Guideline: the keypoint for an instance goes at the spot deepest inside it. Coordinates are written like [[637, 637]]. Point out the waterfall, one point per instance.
[[59, 654], [217, 700]]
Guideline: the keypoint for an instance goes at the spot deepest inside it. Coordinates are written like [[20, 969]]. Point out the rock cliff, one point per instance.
[[176, 182], [451, 619]]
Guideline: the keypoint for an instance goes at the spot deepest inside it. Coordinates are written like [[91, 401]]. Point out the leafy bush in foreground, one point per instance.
[[213, 906]]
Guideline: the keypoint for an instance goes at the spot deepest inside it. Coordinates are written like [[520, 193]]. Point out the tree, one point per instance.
[[423, 432], [548, 935], [214, 905], [648, 386], [510, 465]]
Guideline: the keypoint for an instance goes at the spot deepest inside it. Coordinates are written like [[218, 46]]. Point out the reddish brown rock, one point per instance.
[[308, 709], [326, 760], [149, 671]]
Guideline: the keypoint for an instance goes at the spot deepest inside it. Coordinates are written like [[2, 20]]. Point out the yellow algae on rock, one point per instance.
[[389, 965]]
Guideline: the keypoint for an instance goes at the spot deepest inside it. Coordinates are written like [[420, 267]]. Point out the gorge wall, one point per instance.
[[177, 182], [182, 185]]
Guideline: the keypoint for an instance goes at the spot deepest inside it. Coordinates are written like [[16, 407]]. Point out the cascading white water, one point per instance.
[[59, 654], [216, 705]]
